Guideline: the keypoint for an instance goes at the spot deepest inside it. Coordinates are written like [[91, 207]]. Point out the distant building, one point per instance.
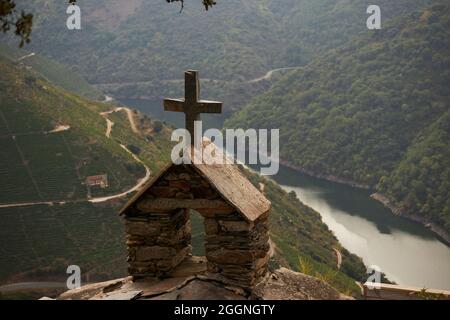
[[100, 180]]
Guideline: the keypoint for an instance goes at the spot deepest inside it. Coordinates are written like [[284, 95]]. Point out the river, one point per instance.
[[405, 251]]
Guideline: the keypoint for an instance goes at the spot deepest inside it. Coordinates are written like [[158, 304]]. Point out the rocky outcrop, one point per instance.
[[191, 281], [285, 284]]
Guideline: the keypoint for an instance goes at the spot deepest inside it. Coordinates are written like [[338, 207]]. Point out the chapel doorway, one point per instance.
[[198, 233]]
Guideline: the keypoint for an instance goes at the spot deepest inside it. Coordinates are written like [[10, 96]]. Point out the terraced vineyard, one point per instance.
[[42, 166], [46, 239], [50, 141], [49, 162], [15, 184]]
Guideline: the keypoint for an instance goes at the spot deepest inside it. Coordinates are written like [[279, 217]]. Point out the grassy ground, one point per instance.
[[41, 241]]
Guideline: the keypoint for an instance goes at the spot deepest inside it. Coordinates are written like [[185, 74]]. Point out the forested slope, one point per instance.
[[372, 112], [131, 48]]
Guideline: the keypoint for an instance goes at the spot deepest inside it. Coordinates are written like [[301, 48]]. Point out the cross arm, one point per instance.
[[175, 105], [206, 106]]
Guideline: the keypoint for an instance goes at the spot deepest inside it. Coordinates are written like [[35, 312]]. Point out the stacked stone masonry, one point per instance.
[[159, 239]]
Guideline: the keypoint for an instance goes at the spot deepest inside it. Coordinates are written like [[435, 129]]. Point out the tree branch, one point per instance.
[[207, 3], [9, 17]]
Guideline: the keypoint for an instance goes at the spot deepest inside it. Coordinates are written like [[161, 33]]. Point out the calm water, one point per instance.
[[406, 252]]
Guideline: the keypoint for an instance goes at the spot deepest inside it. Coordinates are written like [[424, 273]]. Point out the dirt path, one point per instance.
[[60, 128], [25, 204], [140, 183], [130, 116], [131, 119], [270, 73], [266, 76], [109, 126], [26, 56], [338, 257]]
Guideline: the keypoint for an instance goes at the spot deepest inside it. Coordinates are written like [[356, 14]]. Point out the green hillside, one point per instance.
[[372, 112], [40, 166], [420, 183], [146, 40], [54, 72], [240, 39], [31, 108], [129, 49], [312, 27], [39, 241]]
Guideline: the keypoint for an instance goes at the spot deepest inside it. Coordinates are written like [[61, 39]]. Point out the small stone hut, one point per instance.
[[235, 214]]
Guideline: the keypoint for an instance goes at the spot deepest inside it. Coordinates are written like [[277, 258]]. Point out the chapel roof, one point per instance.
[[227, 180]]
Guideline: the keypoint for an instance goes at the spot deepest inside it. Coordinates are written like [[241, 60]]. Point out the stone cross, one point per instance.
[[191, 105]]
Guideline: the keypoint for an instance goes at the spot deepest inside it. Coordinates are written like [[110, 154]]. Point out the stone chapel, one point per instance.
[[157, 218]]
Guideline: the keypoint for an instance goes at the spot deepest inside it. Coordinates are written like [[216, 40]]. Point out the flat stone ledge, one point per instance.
[[282, 284]]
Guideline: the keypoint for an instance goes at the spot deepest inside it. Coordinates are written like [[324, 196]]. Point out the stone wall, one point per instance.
[[237, 250], [157, 242]]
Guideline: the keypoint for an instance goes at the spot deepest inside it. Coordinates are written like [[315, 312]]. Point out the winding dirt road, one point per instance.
[[140, 183], [60, 128], [269, 74], [338, 257], [26, 56], [109, 126], [26, 204], [129, 115], [266, 76]]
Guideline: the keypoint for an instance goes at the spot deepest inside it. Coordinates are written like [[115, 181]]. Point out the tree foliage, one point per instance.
[[23, 22], [11, 18], [372, 112]]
